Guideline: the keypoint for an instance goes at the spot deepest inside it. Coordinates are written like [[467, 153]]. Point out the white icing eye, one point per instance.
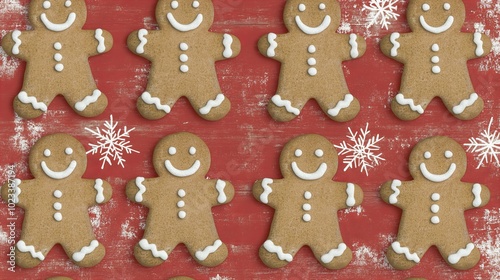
[[196, 4], [68, 151], [322, 6], [174, 4], [192, 151], [426, 7], [448, 154], [298, 153], [172, 151], [67, 4], [447, 6], [319, 153], [46, 5], [427, 155], [47, 153], [302, 7]]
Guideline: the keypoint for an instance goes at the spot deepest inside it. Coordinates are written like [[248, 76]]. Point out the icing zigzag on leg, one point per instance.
[[203, 255], [455, 258], [79, 256], [285, 103], [271, 248], [339, 251], [460, 108], [21, 245], [212, 104], [396, 246], [145, 245], [400, 98], [26, 99], [148, 99], [343, 104], [82, 105]]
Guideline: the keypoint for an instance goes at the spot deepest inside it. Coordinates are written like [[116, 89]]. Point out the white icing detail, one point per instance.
[[435, 208], [396, 246], [427, 155], [307, 195], [302, 7], [306, 207], [145, 245], [271, 39], [320, 172], [61, 174], [435, 59], [174, 4], [143, 40], [351, 201], [58, 217], [47, 152], [313, 30], [57, 194], [184, 68], [435, 48], [410, 102], [435, 220], [185, 27], [17, 190], [460, 108], [212, 104], [57, 206], [182, 214], [479, 44], [437, 178], [148, 99], [306, 218], [68, 151], [319, 153], [59, 67], [184, 58], [285, 103], [342, 104], [46, 5], [58, 57], [58, 27], [192, 151], [15, 36], [196, 4], [271, 248], [476, 190], [264, 197], [183, 46], [181, 193], [448, 154], [339, 251], [182, 172], [172, 151], [322, 6], [24, 98], [311, 49], [220, 186], [311, 61], [463, 252], [227, 42], [395, 44], [312, 71], [298, 153], [181, 204], [426, 7], [90, 99], [447, 6], [30, 249], [99, 198], [57, 46], [354, 45], [438, 29], [101, 47], [203, 255], [393, 198], [436, 69], [67, 4], [435, 197]]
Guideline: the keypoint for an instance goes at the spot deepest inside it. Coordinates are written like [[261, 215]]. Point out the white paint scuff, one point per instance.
[[489, 245], [26, 133]]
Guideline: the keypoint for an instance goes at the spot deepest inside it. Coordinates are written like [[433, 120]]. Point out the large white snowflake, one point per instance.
[[486, 147], [381, 12], [112, 143], [361, 151]]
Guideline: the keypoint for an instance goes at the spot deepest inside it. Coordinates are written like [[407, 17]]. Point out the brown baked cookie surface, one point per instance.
[[56, 203], [306, 202], [433, 205], [57, 52]]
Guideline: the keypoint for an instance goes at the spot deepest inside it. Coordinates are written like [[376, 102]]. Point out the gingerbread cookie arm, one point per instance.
[[269, 45], [14, 43], [17, 191], [347, 195], [220, 192], [392, 192], [101, 41], [224, 46], [474, 196], [139, 43], [266, 190], [396, 46], [476, 44], [101, 191], [353, 46], [140, 189]]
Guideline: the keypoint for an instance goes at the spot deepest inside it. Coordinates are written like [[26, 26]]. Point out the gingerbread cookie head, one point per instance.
[[176, 157], [51, 160], [185, 16], [438, 159], [309, 157], [58, 15], [312, 17], [436, 16]]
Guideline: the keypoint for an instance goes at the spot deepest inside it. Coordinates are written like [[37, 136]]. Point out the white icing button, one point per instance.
[[311, 49], [57, 206], [184, 68], [298, 153], [435, 48], [184, 46], [181, 193], [311, 61], [58, 57], [448, 154], [307, 207], [58, 217], [58, 194], [435, 59], [307, 195], [183, 58], [182, 214], [47, 153], [434, 208], [181, 204], [435, 220], [319, 153], [68, 151], [57, 46], [192, 151], [172, 151], [436, 69], [436, 197], [59, 67], [312, 71], [306, 218]]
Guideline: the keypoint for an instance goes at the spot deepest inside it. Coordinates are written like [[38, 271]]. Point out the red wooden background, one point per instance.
[[246, 144]]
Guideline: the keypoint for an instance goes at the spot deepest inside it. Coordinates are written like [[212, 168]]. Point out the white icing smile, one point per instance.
[[313, 30], [61, 174], [437, 29], [320, 172], [182, 172], [58, 27], [437, 178], [185, 27]]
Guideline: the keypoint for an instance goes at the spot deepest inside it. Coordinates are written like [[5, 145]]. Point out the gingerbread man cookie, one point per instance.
[[435, 55], [183, 53], [56, 203], [56, 52], [311, 56], [433, 206], [306, 202], [180, 203]]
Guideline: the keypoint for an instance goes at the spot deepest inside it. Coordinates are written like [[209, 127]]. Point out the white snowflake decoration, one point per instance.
[[487, 147], [361, 151], [111, 143], [381, 12]]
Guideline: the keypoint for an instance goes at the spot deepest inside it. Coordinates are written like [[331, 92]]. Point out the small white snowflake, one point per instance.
[[360, 152], [487, 147], [111, 143], [381, 12]]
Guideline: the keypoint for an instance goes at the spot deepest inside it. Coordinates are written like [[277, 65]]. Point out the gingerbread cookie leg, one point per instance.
[[29, 253], [86, 252], [213, 106], [407, 105], [285, 106], [340, 109], [28, 104], [460, 255], [276, 252], [88, 101], [404, 254], [207, 249], [464, 106], [332, 254], [153, 250]]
